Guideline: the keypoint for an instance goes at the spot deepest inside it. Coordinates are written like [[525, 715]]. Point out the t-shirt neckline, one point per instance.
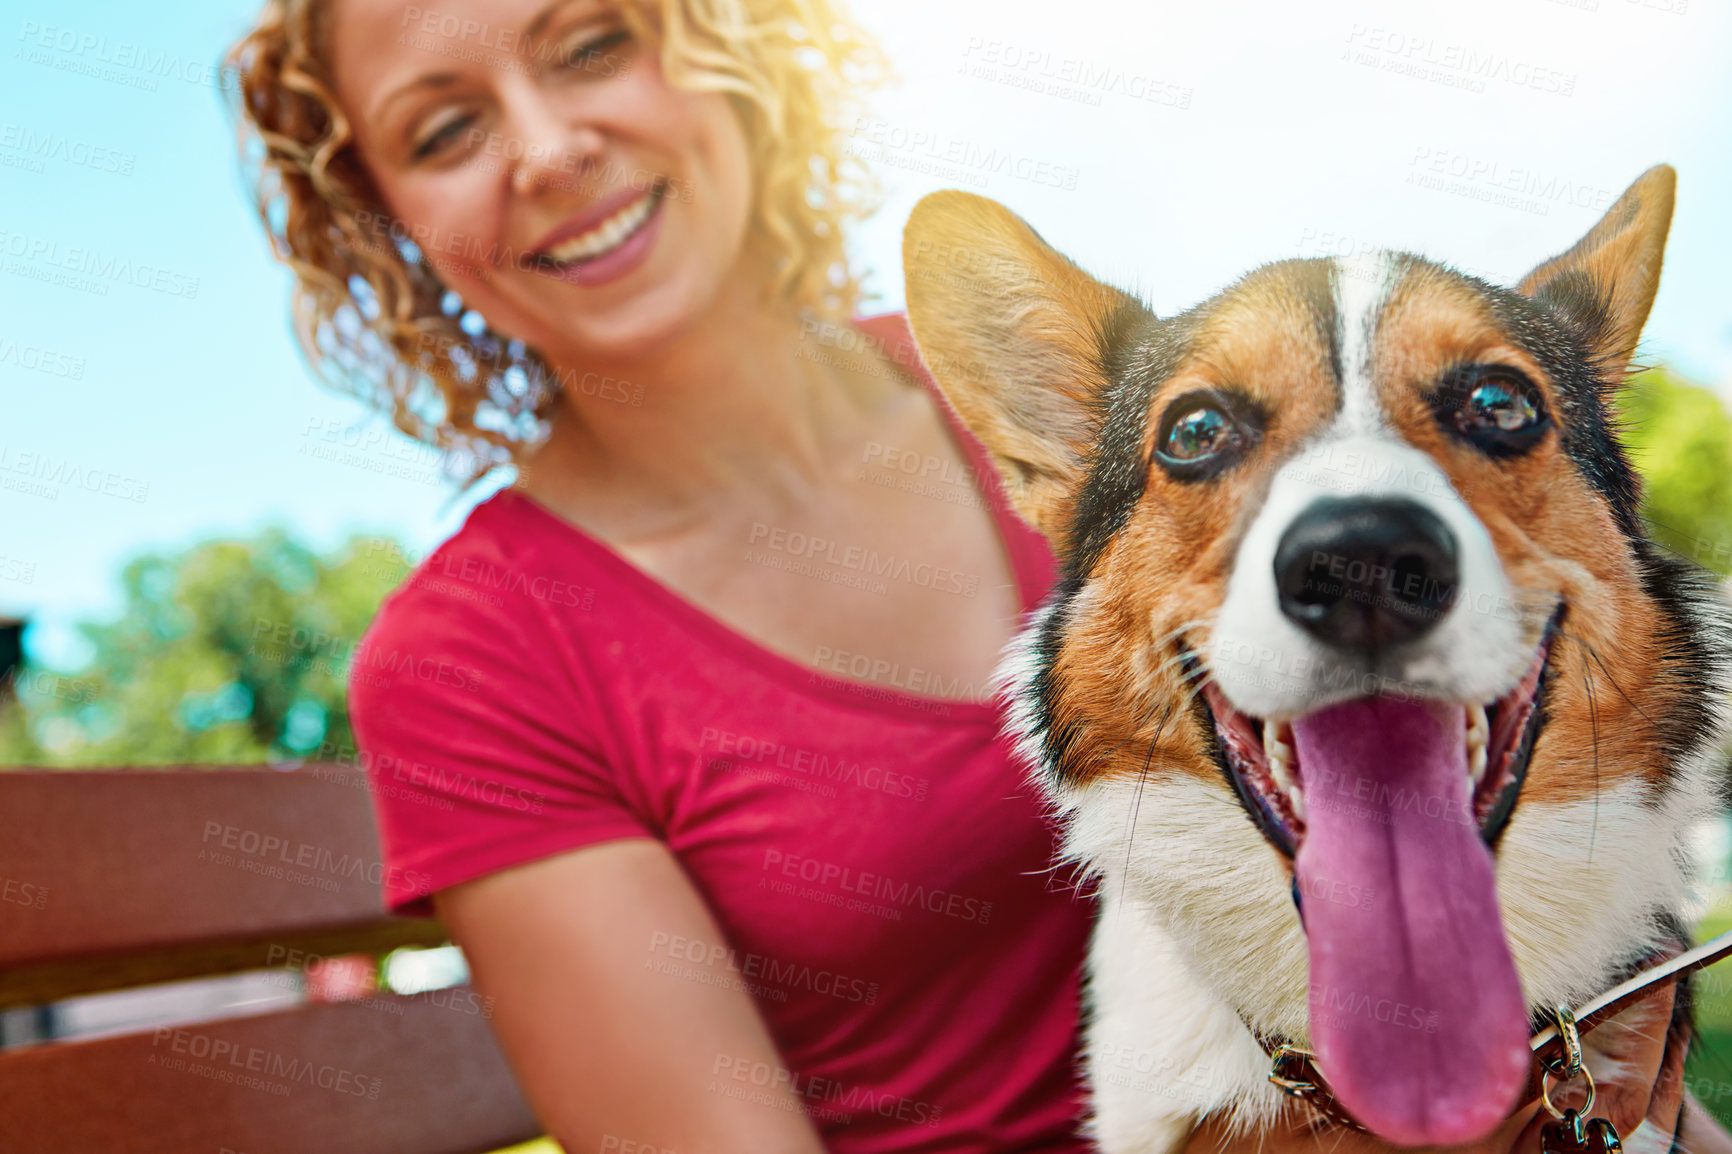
[[864, 694]]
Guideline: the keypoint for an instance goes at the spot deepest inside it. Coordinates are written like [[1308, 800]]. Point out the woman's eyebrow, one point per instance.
[[539, 25]]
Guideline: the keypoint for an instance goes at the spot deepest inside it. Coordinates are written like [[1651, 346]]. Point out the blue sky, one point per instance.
[[1168, 147]]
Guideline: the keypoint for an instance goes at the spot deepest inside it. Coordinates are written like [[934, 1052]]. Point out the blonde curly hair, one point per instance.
[[373, 317]]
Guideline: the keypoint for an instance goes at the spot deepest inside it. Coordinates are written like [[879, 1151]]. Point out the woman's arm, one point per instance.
[[603, 1042]]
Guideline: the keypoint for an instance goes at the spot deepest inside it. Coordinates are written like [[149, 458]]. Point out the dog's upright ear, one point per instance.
[[1605, 285], [1016, 336]]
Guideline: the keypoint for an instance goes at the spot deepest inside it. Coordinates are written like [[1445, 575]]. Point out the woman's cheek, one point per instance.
[[450, 222]]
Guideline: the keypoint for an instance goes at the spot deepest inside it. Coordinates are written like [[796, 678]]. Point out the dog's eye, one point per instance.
[[1202, 433], [1199, 433], [1495, 408]]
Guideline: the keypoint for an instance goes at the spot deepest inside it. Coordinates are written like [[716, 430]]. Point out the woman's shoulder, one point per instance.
[[866, 344], [892, 328], [888, 334], [479, 704], [893, 339], [506, 600], [504, 566]]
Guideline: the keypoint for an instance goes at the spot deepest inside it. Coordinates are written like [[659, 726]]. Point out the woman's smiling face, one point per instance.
[[546, 168]]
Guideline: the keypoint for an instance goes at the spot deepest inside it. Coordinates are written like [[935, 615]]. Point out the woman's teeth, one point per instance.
[[608, 235]]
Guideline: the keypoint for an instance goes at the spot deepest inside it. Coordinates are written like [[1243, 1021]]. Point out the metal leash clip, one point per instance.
[[1558, 1048], [1294, 1071], [1572, 1132], [1287, 1071]]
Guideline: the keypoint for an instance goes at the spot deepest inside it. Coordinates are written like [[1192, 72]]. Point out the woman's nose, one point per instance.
[[553, 152]]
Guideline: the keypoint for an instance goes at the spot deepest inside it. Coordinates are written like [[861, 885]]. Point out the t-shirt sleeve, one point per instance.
[[482, 748]]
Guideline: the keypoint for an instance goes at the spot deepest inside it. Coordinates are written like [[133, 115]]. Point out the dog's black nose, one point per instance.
[[1366, 573]]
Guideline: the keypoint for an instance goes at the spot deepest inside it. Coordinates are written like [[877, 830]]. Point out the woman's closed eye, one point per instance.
[[592, 53], [440, 134]]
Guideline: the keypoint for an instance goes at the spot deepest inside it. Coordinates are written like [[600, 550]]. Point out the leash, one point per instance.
[[1557, 1051]]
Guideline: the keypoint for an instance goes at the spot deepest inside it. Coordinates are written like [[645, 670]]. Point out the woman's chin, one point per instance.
[[632, 326]]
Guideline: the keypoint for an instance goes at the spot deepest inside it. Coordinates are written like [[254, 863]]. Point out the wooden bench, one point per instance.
[[116, 879]]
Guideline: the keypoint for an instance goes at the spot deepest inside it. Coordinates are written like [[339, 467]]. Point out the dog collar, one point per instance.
[[1295, 1072]]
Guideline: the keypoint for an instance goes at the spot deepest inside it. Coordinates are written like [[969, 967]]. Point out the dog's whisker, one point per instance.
[[1133, 734], [1176, 661], [1136, 807], [1174, 633], [1595, 654], [1594, 732]]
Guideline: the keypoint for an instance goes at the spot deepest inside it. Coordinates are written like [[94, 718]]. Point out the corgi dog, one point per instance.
[[1367, 706]]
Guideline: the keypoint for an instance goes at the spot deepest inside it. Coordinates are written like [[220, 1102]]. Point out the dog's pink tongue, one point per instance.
[[1417, 1016]]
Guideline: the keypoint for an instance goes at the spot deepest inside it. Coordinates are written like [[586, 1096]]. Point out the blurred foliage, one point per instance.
[[1708, 1073], [1680, 436], [233, 652]]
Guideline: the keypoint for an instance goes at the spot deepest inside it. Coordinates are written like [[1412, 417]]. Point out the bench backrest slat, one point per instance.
[[122, 876], [347, 1078], [139, 858], [115, 878]]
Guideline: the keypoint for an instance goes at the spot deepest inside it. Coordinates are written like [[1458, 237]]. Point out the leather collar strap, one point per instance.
[[1295, 1071]]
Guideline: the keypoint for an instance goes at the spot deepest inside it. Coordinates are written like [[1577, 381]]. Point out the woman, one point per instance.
[[685, 735], [724, 891]]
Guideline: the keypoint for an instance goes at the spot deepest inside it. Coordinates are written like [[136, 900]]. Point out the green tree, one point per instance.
[[233, 652], [1680, 436]]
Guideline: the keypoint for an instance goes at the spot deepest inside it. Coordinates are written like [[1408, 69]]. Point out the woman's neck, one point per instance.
[[735, 408]]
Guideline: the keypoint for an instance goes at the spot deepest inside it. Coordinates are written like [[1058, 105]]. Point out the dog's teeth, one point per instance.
[[1278, 751], [1478, 736], [1297, 800], [1477, 724]]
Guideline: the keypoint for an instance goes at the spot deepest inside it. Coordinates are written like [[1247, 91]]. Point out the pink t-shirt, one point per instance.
[[876, 858]]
